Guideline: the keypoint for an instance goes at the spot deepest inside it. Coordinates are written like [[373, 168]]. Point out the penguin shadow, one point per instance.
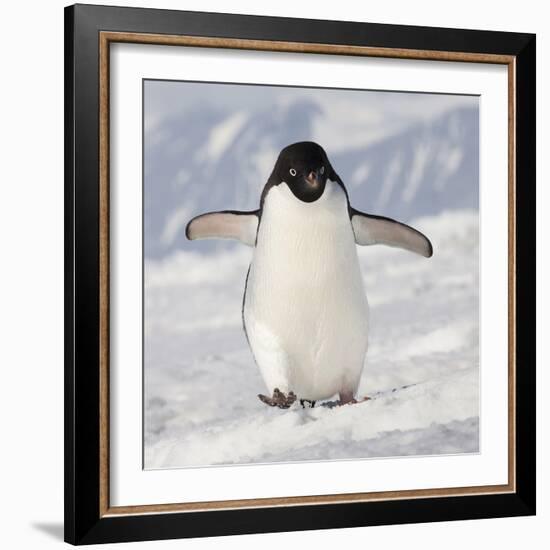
[[335, 404], [377, 395], [311, 412], [329, 404]]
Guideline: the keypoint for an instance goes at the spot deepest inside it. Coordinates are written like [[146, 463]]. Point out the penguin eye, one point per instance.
[[292, 172], [322, 170]]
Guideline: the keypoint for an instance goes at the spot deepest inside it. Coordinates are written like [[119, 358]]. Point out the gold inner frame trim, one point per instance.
[[105, 39]]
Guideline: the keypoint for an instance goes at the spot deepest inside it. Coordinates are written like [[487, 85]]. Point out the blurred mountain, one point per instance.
[[206, 160]]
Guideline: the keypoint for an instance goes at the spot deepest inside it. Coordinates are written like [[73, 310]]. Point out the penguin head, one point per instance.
[[305, 168]]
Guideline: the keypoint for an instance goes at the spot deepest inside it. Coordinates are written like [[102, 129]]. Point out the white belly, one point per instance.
[[305, 309]]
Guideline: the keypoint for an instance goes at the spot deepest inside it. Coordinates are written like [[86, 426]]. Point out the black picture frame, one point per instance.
[[84, 522]]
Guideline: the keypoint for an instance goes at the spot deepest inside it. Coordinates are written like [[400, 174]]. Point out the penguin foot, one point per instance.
[[350, 400], [310, 403], [279, 399]]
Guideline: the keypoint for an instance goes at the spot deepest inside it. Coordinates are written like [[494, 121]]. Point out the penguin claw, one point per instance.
[[279, 399]]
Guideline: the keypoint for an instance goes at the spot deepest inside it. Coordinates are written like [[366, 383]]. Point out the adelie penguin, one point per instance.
[[305, 310]]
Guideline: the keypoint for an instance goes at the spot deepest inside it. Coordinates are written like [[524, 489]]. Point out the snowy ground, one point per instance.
[[421, 371]]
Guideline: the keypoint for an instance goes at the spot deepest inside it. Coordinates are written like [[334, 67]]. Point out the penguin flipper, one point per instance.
[[228, 224], [369, 229]]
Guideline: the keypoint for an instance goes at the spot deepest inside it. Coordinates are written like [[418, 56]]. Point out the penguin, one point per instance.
[[305, 311]]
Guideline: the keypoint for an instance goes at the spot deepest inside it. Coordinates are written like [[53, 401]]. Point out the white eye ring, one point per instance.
[[292, 172], [322, 171]]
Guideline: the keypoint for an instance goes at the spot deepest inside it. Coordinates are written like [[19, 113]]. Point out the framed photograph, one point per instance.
[[300, 274]]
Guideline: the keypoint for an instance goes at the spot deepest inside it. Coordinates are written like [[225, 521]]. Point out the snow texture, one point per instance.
[[421, 371]]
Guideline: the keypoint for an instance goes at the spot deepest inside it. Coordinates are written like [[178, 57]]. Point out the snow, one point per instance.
[[222, 135], [360, 174], [390, 181], [176, 221], [419, 163], [421, 372]]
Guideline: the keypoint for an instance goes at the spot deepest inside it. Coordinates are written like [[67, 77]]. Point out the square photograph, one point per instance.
[[310, 274]]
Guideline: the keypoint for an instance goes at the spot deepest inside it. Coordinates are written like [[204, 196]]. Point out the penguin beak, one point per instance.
[[309, 187], [311, 179]]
